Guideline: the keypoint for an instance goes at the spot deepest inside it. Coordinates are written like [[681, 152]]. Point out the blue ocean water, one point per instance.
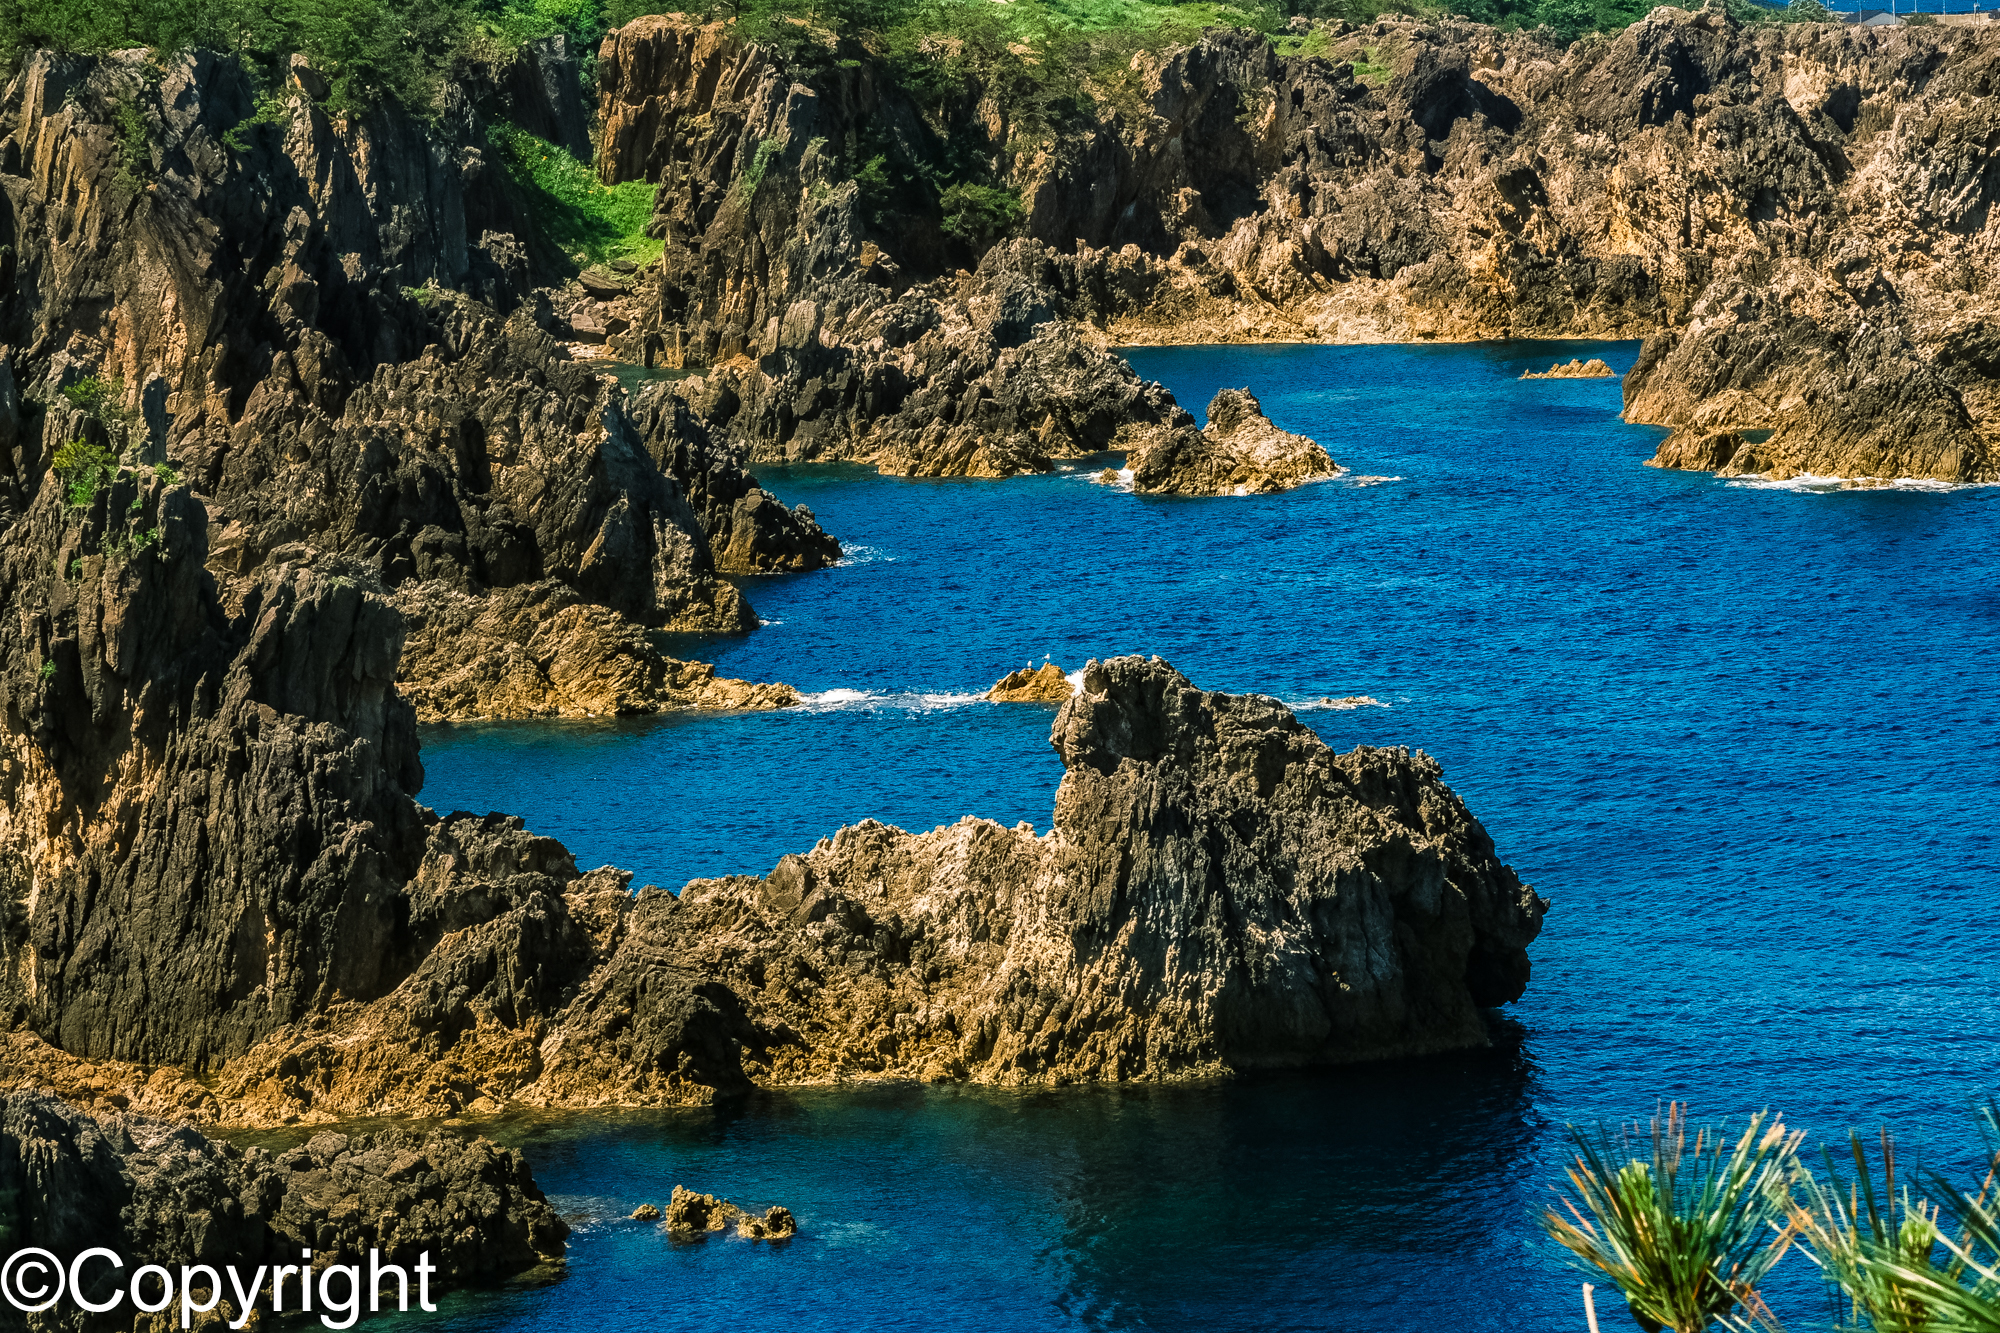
[[1742, 735]]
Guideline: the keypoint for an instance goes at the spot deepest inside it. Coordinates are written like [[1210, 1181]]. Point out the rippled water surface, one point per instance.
[[1743, 736]]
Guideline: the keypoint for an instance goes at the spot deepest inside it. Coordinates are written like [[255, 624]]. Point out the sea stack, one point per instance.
[[1239, 452]]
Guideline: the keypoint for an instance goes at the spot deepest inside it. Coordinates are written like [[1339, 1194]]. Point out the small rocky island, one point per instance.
[[1594, 369], [1239, 452], [1044, 684]]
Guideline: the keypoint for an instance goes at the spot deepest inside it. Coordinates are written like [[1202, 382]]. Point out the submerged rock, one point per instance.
[[1238, 452], [1593, 369], [1043, 684]]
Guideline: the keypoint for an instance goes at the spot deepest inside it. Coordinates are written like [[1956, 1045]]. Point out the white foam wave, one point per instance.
[[1808, 483], [863, 555], [1075, 679], [768, 623], [874, 701]]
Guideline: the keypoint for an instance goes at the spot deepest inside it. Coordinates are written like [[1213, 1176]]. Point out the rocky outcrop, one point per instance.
[[491, 461], [540, 651], [748, 530], [154, 1192], [1032, 685], [1139, 938], [691, 1216], [1574, 369], [1836, 388], [1239, 452]]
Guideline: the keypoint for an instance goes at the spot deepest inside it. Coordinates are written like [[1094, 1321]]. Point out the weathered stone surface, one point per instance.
[[1239, 452], [540, 651], [1043, 684], [154, 1192], [202, 818]]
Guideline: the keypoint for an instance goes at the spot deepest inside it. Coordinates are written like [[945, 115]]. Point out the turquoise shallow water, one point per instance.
[[1743, 736]]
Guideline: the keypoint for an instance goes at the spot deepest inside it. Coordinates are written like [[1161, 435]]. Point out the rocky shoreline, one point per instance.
[[295, 454]]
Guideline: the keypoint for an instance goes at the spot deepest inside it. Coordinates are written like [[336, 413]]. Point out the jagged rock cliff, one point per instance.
[[1470, 184], [298, 315], [203, 818]]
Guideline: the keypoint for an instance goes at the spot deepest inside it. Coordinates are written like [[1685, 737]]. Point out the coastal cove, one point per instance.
[[1739, 734]]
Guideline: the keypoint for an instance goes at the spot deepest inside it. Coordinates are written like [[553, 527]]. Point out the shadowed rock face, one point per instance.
[[203, 819], [158, 1193]]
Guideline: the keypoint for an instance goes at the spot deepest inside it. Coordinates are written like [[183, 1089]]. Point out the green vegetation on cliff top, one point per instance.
[[374, 50]]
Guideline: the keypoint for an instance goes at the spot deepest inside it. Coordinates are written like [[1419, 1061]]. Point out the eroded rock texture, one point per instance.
[[153, 1192], [1798, 216], [1220, 891]]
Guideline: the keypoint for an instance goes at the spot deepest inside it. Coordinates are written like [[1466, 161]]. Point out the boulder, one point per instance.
[[156, 1192]]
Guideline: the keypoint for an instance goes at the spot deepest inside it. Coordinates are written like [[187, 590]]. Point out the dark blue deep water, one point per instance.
[[1743, 736]]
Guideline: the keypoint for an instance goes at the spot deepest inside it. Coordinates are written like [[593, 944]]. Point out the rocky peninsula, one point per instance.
[[362, 955]]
